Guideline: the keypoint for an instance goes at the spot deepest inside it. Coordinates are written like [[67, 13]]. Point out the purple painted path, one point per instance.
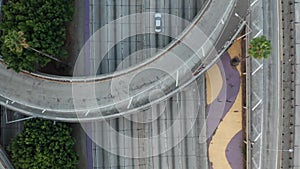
[[218, 109], [232, 82], [234, 151]]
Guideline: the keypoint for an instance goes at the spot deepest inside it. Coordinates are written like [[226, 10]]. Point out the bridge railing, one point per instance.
[[207, 60]]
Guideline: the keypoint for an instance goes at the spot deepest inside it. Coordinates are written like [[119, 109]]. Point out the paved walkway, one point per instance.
[[225, 146], [234, 153], [213, 75]]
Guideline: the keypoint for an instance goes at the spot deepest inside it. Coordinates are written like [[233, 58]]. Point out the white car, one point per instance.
[[157, 17]]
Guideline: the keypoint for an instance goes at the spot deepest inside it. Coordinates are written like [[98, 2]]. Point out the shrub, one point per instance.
[[43, 145], [260, 47], [43, 25]]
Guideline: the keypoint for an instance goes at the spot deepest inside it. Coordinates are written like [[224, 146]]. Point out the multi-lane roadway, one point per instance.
[[271, 133], [59, 97], [105, 12], [165, 136], [134, 49], [113, 150], [272, 111], [205, 38]]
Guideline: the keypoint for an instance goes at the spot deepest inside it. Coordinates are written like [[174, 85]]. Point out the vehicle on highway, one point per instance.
[[157, 17]]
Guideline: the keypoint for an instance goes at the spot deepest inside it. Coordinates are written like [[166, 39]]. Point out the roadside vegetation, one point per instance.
[[260, 48], [43, 145], [33, 32]]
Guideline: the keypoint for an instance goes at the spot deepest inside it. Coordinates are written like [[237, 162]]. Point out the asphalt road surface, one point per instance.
[[188, 153], [123, 54], [55, 97], [178, 148], [272, 111]]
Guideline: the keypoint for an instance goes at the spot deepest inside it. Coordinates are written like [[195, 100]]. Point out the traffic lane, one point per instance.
[[59, 104], [242, 10], [272, 104], [184, 155]]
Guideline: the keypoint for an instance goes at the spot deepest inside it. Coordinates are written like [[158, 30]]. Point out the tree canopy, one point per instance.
[[43, 25], [43, 145], [15, 41], [260, 47]]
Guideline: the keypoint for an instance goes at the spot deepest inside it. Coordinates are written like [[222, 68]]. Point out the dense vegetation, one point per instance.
[[43, 145], [260, 47], [42, 23]]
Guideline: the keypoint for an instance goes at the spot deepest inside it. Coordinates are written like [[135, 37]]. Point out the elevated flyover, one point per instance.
[[129, 90]]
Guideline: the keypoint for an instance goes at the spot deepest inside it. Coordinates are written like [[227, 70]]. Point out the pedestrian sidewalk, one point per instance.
[[225, 149]]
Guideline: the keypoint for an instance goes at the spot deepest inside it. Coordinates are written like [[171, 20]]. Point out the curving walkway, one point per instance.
[[227, 95], [234, 151], [224, 117], [213, 75], [104, 96]]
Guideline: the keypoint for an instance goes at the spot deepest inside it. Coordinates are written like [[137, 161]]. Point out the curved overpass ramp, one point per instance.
[[108, 96]]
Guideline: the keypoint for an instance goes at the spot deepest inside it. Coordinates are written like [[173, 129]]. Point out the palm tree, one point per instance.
[[260, 47], [16, 42]]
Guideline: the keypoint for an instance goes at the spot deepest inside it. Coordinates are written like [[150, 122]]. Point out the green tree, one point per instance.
[[43, 23], [15, 41], [43, 145], [260, 47]]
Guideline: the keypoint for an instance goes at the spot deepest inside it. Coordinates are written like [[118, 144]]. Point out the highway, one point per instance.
[[59, 97], [131, 141], [53, 97], [163, 137], [123, 55], [272, 109], [143, 139], [272, 116], [278, 117]]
